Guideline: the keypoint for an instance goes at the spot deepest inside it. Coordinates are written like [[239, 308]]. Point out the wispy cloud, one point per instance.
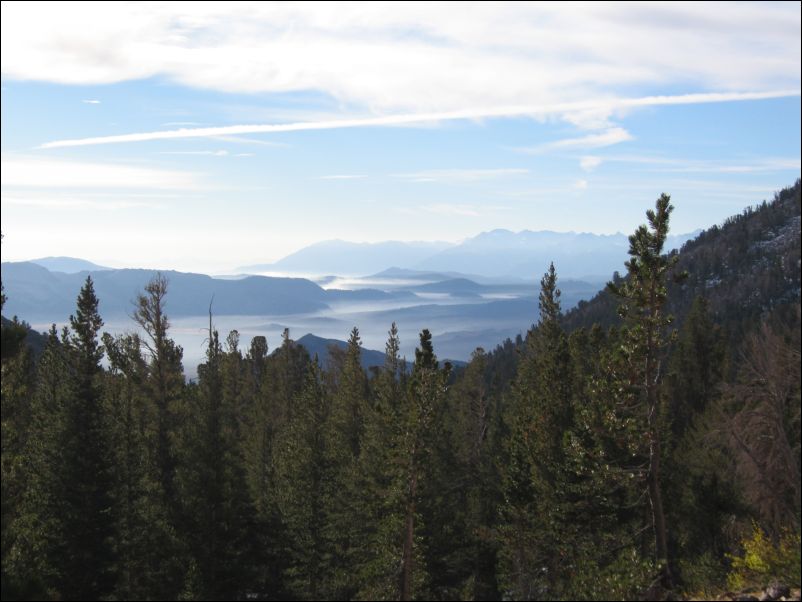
[[29, 172], [593, 141], [581, 184], [461, 175], [91, 102], [343, 177], [607, 138], [590, 163]]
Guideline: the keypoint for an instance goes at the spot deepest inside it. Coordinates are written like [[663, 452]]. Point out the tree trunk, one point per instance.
[[658, 516], [655, 493]]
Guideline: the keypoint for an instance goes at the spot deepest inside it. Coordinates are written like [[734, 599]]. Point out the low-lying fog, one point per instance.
[[460, 321]]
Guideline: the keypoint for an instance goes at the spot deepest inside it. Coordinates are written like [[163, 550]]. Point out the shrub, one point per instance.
[[764, 561]]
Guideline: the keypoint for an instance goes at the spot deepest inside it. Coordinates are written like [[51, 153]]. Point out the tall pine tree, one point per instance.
[[643, 295], [87, 522]]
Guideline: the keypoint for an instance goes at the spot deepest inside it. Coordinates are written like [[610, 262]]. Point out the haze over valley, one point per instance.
[[401, 300]]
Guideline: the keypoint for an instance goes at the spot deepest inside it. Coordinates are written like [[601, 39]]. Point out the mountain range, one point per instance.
[[68, 265], [497, 253]]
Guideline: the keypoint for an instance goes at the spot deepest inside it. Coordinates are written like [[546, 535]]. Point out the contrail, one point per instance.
[[403, 119]]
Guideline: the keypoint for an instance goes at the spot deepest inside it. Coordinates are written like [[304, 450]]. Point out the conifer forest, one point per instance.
[[643, 445]]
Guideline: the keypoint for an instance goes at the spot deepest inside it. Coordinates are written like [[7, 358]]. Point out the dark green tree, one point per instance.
[[538, 418], [146, 542], [219, 517], [85, 486], [643, 296], [426, 392], [31, 562], [303, 479], [344, 437], [381, 477], [164, 379]]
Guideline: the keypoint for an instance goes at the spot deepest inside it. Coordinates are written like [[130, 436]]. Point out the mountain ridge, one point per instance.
[[493, 253]]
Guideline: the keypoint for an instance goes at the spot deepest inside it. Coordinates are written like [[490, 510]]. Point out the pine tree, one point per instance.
[[302, 481], [85, 557], [146, 542], [31, 560], [381, 484], [425, 393], [158, 399], [18, 428], [218, 514], [165, 379], [643, 295], [344, 433], [470, 492], [538, 419]]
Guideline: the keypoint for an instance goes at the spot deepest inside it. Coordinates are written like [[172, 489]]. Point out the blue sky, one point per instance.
[[211, 136]]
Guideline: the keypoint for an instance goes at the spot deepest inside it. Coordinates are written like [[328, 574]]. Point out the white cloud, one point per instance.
[[412, 57], [581, 184], [343, 177], [590, 163], [607, 138], [28, 172], [91, 102], [611, 136]]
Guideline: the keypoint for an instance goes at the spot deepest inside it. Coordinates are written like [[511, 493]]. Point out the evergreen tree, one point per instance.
[[87, 523], [164, 383], [470, 488], [344, 432], [31, 559], [146, 543], [18, 427], [382, 479], [425, 393], [538, 419], [302, 481], [218, 513], [643, 296], [158, 403]]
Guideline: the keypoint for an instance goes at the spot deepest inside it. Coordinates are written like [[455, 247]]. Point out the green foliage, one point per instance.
[[303, 480], [84, 481], [763, 561]]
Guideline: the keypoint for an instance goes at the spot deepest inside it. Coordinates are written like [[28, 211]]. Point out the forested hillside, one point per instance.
[[745, 267], [605, 455]]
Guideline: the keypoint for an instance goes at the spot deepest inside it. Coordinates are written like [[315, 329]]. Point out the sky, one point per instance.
[[206, 136]]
